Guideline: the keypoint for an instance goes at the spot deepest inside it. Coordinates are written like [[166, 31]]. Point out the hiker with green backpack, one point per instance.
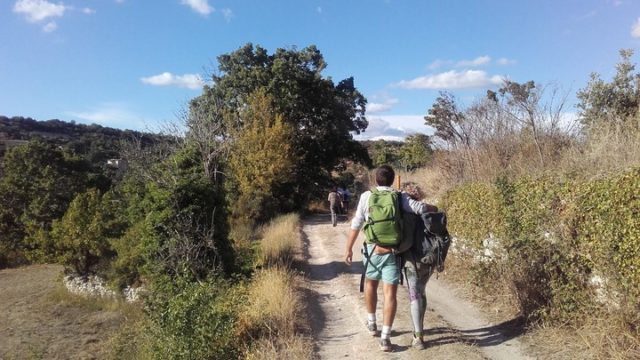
[[380, 211]]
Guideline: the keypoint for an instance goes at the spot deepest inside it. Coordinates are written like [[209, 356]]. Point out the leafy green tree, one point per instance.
[[322, 113], [382, 152], [38, 184], [262, 158], [82, 237], [415, 152], [611, 102]]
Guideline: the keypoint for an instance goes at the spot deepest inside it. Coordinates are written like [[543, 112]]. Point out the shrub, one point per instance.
[[557, 234], [193, 320], [81, 238]]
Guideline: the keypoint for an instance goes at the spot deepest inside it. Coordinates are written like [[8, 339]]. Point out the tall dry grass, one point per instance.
[[274, 308], [273, 319], [280, 240]]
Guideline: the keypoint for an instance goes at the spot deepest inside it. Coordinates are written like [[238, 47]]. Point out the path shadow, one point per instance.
[[483, 337], [317, 318]]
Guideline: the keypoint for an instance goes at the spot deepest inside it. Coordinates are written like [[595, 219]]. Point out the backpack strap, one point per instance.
[[366, 254]]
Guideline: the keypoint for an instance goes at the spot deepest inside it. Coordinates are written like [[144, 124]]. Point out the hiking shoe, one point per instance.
[[373, 328], [385, 345], [417, 343]]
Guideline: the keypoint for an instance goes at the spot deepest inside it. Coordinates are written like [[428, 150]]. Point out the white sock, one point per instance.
[[371, 318], [386, 332]]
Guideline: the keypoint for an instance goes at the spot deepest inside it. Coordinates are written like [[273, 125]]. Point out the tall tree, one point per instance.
[[261, 160], [38, 184], [322, 113], [416, 151], [611, 102]]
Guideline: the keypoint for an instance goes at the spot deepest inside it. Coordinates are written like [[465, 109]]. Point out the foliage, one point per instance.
[[322, 114], [557, 235], [612, 102], [383, 152], [38, 184], [186, 231], [82, 237], [261, 161], [193, 320], [415, 152], [447, 120]]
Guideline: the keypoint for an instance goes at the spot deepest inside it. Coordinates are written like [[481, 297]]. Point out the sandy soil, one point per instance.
[[35, 323], [455, 328]]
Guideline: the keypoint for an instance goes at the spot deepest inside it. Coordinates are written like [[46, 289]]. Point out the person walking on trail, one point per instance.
[[334, 205], [416, 273], [346, 196], [382, 263]]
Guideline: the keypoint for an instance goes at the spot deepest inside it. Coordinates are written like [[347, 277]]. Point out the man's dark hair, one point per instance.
[[385, 175]]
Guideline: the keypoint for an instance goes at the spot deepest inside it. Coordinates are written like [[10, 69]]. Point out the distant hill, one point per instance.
[[94, 142]]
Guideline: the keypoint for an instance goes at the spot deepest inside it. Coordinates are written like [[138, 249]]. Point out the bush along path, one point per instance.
[[454, 328]]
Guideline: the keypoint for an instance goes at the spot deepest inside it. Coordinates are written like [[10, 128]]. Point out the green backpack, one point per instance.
[[383, 226]]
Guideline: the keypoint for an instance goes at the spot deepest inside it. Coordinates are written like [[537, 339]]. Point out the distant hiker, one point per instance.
[[334, 205], [379, 211], [416, 273], [346, 196]]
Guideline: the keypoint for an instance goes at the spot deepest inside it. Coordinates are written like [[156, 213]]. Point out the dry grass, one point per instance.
[[280, 241], [289, 348], [431, 180], [599, 338], [273, 320], [274, 317], [608, 150], [274, 304]]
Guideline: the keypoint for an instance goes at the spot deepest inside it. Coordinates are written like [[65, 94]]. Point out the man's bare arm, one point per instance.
[[351, 239]]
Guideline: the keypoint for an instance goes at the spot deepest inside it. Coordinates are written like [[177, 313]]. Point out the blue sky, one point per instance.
[[135, 64]]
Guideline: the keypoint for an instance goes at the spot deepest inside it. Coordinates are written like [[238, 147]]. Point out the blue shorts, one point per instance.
[[382, 267]]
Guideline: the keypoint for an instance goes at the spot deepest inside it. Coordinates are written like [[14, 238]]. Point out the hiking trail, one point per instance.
[[455, 329]]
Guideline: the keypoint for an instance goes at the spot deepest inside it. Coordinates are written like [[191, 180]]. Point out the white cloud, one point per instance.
[[227, 13], [199, 6], [505, 61], [394, 127], [189, 81], [479, 61], [51, 26], [452, 80], [112, 114], [635, 29], [88, 11], [38, 10], [384, 105], [319, 10], [438, 63]]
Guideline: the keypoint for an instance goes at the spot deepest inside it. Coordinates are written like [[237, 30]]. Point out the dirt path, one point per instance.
[[455, 329], [36, 322]]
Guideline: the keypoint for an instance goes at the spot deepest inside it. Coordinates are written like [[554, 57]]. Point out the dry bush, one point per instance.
[[608, 148], [280, 240], [274, 307], [599, 338], [294, 347], [432, 180]]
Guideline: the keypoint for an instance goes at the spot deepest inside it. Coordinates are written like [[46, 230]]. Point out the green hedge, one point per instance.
[[557, 233]]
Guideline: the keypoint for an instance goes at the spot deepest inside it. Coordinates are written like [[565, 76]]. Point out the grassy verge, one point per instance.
[[273, 319]]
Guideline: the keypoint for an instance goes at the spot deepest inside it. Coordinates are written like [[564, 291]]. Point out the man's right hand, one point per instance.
[[348, 257]]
